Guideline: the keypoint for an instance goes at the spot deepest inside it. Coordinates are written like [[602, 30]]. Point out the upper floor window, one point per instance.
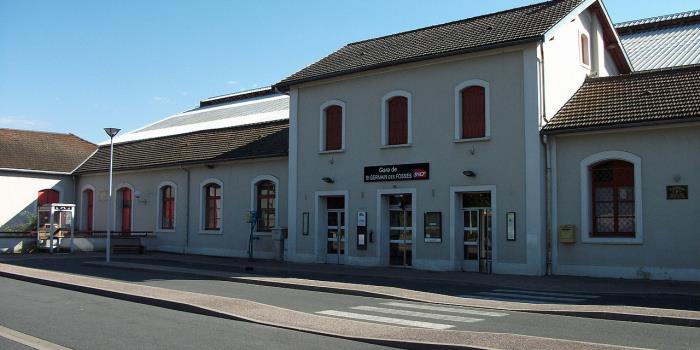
[[167, 207], [396, 118], [212, 206], [612, 191], [585, 50], [265, 205], [472, 111], [332, 126]]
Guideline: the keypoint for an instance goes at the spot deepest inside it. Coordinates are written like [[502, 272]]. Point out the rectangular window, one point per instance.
[[266, 206], [334, 128]]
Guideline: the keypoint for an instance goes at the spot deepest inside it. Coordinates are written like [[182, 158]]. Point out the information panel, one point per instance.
[[397, 172]]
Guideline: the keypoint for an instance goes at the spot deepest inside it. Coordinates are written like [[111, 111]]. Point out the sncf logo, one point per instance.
[[420, 173]]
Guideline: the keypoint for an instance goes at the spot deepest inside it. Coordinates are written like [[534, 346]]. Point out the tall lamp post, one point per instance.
[[111, 132]]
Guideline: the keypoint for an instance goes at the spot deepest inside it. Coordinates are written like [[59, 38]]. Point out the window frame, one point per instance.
[[159, 206], [322, 124], [587, 200], [458, 110], [385, 118], [203, 208], [584, 52]]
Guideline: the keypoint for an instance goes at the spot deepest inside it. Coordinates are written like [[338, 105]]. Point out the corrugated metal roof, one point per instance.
[[664, 18], [663, 47]]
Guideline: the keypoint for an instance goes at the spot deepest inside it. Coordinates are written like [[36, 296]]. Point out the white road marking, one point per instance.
[[384, 310], [389, 320], [28, 340], [512, 299], [531, 297], [447, 309], [566, 295]]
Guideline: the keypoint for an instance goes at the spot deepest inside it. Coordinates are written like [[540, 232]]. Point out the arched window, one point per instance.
[[397, 119], [585, 50], [613, 199], [212, 206], [47, 196], [167, 207], [473, 112], [124, 206], [265, 205], [332, 116], [88, 201]]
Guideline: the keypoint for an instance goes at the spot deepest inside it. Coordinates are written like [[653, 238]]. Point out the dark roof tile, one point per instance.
[[646, 97], [42, 151], [240, 142]]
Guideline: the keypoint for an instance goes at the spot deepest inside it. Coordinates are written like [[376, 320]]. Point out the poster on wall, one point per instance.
[[433, 227], [397, 172]]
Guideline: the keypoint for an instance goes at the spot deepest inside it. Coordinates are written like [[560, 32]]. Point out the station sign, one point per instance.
[[397, 172]]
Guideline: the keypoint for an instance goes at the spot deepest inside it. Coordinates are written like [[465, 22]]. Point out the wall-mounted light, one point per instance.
[[328, 180], [469, 173], [209, 166]]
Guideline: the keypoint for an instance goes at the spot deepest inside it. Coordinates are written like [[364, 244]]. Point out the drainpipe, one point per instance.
[[548, 170], [187, 217]]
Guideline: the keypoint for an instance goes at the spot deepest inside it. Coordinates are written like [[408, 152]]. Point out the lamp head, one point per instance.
[[112, 132], [328, 180], [469, 173]]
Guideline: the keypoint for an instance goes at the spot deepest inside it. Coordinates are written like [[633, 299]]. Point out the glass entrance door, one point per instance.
[[335, 230], [400, 230], [477, 232]]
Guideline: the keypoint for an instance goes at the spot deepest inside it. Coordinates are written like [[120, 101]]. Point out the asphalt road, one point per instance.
[[83, 321], [388, 311]]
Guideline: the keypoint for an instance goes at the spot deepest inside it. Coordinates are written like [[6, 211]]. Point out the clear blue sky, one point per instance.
[[79, 66]]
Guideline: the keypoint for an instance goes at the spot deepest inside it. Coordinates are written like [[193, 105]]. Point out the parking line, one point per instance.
[[28, 340]]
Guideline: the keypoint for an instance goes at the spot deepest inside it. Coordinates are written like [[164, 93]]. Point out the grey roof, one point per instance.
[[524, 24], [641, 98], [260, 140], [662, 42], [211, 113], [658, 19]]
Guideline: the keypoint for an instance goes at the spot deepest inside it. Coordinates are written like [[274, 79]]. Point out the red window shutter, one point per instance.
[[473, 112], [47, 196], [398, 120], [89, 196], [126, 211], [334, 128]]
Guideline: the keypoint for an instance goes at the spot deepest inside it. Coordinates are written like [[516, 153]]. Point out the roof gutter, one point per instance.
[[619, 126], [32, 171], [284, 86]]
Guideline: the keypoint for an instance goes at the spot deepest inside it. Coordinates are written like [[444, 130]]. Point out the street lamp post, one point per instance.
[[111, 132]]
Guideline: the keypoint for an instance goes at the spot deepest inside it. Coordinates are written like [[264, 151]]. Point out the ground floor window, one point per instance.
[[613, 202], [212, 206], [265, 198]]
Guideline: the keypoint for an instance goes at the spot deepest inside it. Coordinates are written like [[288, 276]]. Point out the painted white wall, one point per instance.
[[671, 236], [20, 192]]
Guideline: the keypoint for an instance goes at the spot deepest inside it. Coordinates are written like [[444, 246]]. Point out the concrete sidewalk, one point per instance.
[[411, 338], [570, 284]]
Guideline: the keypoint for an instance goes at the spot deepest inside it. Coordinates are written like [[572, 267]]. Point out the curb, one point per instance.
[[178, 306], [514, 306]]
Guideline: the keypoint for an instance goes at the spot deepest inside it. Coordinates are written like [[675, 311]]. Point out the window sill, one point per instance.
[[611, 240], [163, 230], [476, 139], [211, 232], [262, 234], [403, 145], [331, 152]]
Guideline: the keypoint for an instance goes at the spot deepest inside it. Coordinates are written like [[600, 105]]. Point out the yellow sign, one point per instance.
[[567, 234]]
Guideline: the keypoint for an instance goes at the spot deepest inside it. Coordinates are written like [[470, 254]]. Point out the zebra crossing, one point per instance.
[[414, 315], [532, 297]]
